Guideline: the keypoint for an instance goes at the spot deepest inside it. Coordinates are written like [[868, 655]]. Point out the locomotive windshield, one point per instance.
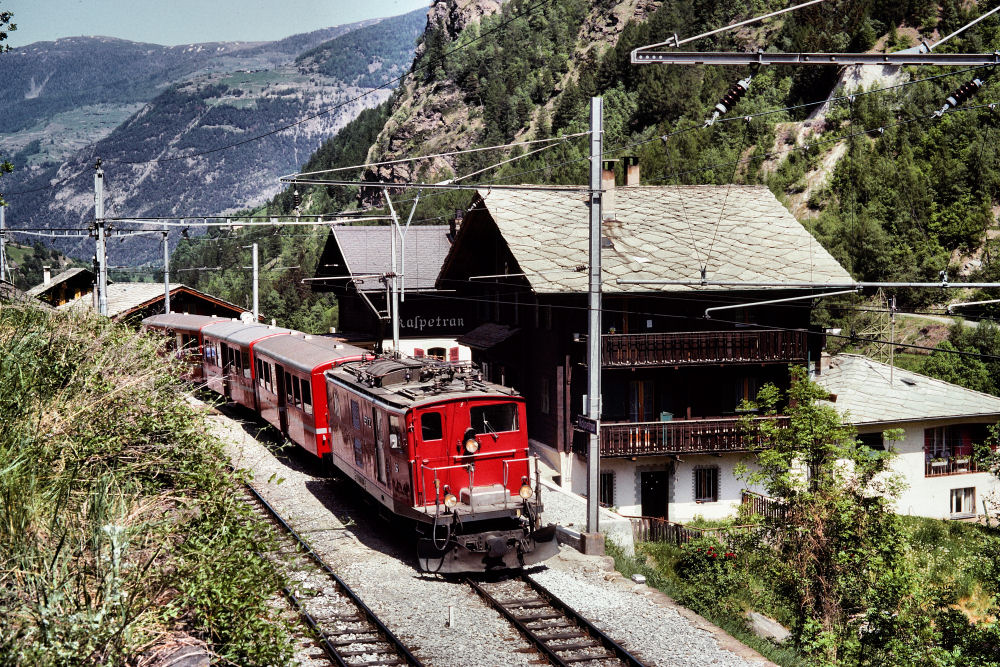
[[494, 418]]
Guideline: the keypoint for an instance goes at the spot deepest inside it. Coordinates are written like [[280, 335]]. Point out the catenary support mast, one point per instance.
[[102, 247], [594, 312]]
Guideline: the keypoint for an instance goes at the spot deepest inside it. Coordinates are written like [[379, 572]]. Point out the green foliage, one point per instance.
[[978, 373], [711, 570], [840, 558], [287, 256], [118, 521], [5, 26]]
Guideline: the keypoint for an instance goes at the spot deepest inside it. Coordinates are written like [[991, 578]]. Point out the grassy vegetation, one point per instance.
[[658, 563], [119, 525], [953, 563]]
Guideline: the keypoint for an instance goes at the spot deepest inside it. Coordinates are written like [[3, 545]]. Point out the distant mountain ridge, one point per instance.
[[142, 107]]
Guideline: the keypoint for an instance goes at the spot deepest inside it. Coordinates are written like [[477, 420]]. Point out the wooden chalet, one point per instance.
[[64, 287], [354, 264], [672, 379]]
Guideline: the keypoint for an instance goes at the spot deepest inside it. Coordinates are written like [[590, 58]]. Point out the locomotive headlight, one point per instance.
[[471, 445], [526, 491], [450, 500]]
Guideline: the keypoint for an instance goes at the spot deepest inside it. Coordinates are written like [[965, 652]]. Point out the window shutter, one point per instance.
[[418, 352], [453, 354]]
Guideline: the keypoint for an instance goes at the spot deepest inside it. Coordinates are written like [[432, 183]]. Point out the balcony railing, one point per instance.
[[703, 347], [952, 465], [685, 436]]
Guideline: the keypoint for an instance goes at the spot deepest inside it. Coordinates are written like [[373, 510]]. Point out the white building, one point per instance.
[[941, 424]]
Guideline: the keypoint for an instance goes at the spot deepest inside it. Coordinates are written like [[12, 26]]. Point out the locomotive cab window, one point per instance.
[[494, 418], [430, 426]]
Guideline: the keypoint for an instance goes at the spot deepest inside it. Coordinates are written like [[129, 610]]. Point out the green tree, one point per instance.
[[5, 27], [840, 557]]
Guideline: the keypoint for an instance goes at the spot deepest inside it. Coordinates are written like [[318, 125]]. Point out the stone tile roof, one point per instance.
[[739, 232], [366, 250], [863, 392]]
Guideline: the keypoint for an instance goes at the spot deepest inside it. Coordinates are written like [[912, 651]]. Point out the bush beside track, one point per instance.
[[120, 530]]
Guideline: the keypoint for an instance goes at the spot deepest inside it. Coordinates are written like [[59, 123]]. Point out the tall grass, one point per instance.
[[118, 524]]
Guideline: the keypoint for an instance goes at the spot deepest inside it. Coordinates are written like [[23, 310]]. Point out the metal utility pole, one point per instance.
[[166, 275], [393, 231], [102, 257], [4, 271], [256, 278], [594, 313]]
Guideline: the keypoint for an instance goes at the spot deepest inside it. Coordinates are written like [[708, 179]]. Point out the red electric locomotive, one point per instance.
[[431, 441], [436, 444]]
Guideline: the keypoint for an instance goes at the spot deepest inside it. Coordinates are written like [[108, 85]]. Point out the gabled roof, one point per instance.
[[366, 252], [66, 275], [863, 391], [123, 298], [739, 232]]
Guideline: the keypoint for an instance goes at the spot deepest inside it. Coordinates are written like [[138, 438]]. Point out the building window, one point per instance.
[[872, 441], [543, 403], [706, 484], [607, 491], [963, 501]]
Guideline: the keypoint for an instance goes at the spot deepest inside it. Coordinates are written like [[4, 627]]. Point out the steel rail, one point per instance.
[[369, 615], [618, 651]]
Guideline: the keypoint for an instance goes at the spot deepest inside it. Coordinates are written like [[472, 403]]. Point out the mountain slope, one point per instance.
[[232, 97]]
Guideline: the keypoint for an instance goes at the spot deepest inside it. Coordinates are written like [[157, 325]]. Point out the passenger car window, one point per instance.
[[307, 401], [430, 426]]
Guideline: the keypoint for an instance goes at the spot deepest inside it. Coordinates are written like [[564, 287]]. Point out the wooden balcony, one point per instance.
[[703, 347], [683, 436]]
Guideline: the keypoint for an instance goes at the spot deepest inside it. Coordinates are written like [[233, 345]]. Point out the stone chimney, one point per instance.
[[608, 185], [631, 171], [455, 224], [46, 275]]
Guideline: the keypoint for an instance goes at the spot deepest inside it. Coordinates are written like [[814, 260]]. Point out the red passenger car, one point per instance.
[[291, 391], [184, 338], [434, 443], [228, 369]]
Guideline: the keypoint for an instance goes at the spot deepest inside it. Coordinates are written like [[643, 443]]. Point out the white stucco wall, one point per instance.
[[681, 492], [931, 496]]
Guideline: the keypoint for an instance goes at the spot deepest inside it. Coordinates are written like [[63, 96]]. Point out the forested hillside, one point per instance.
[[892, 192]]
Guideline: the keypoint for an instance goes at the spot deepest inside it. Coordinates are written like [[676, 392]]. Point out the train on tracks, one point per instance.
[[430, 441]]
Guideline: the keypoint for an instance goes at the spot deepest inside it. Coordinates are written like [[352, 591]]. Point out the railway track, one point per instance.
[[349, 633], [562, 635]]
